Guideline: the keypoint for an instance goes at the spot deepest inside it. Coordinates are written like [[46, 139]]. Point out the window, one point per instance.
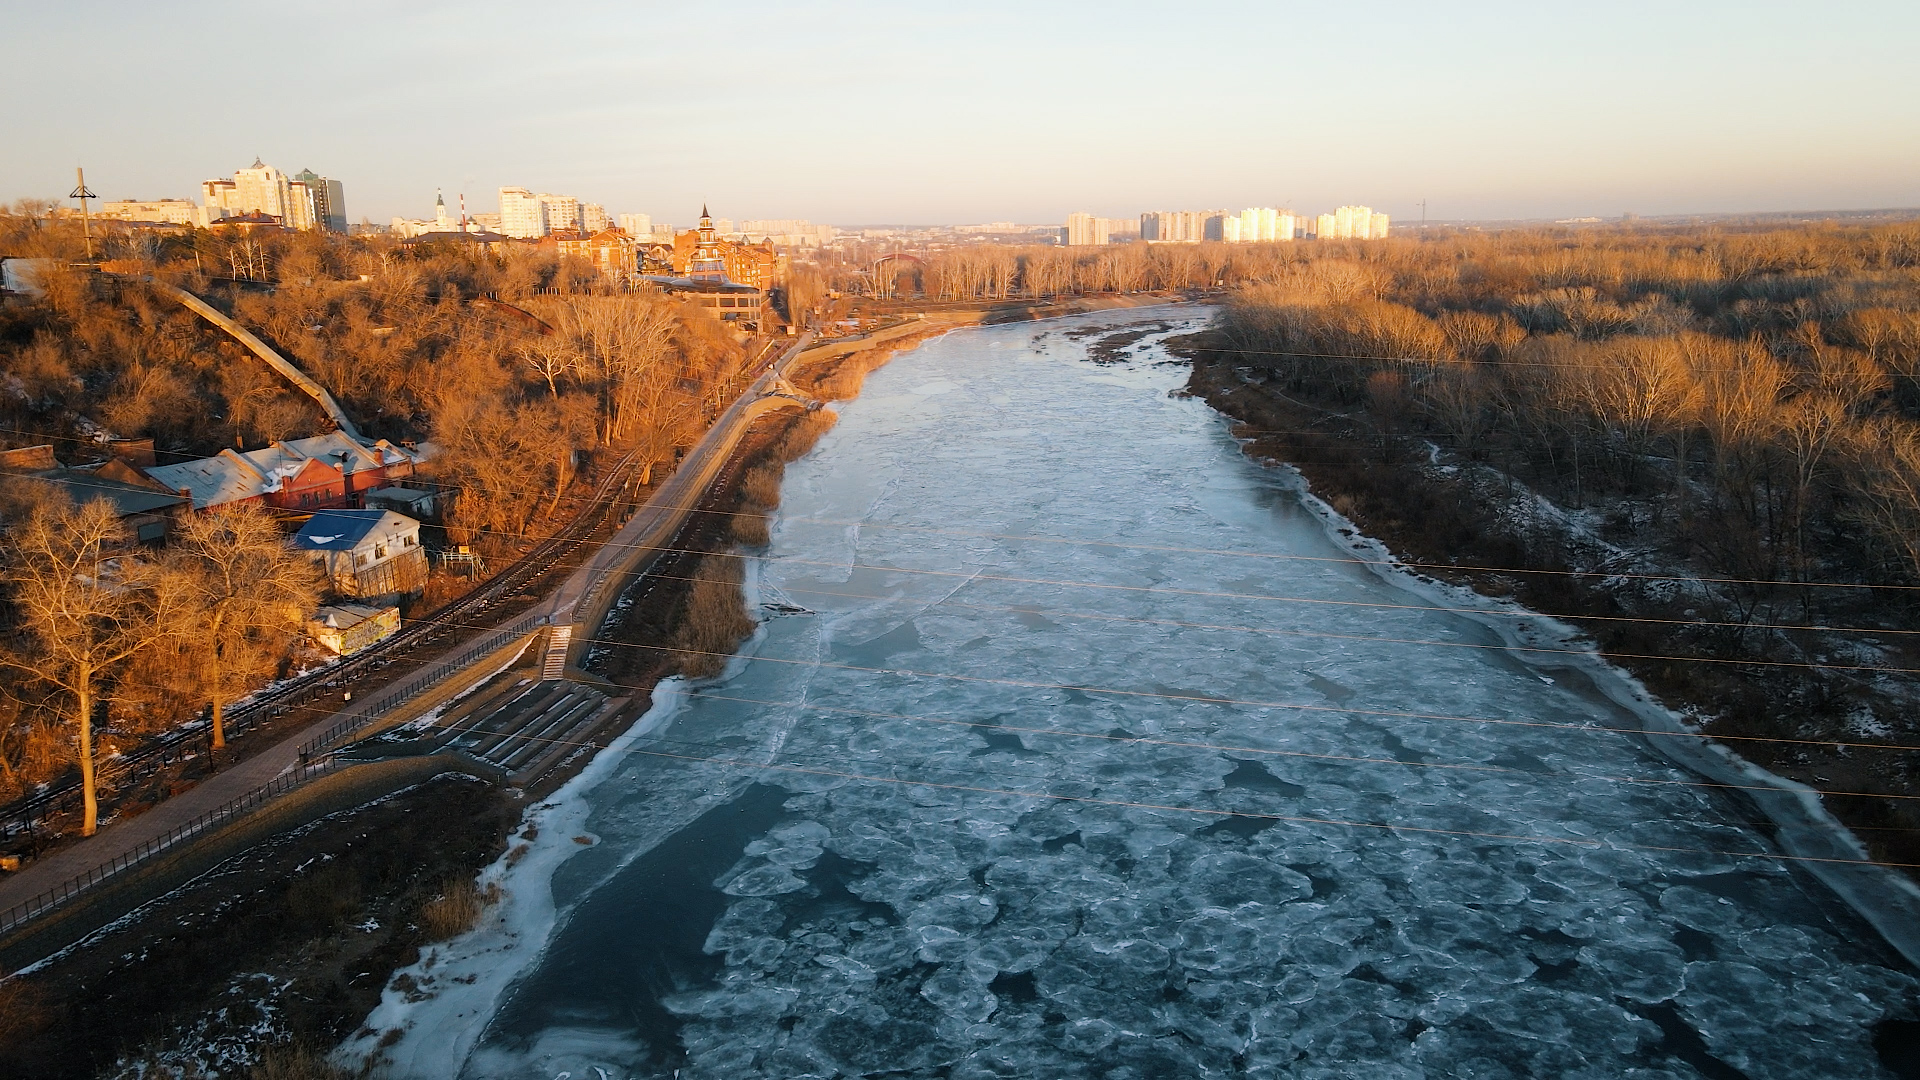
[[410, 541], [360, 559], [379, 551]]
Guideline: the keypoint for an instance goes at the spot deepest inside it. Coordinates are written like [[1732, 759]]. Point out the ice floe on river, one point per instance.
[[1069, 768]]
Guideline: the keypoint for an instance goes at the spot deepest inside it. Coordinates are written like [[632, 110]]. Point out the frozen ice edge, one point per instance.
[[1887, 899], [440, 1031], [469, 975]]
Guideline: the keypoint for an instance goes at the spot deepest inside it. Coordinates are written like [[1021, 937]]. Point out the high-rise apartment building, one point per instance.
[[639, 226], [329, 200], [1353, 223], [593, 218], [522, 214], [261, 189], [1085, 230], [1264, 224], [563, 211], [1179, 226], [304, 201]]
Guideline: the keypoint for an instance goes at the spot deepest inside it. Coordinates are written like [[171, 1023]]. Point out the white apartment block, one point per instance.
[[1353, 223], [563, 211], [522, 214], [636, 225], [593, 218], [1085, 230], [1264, 224], [260, 189], [304, 201], [1178, 226]]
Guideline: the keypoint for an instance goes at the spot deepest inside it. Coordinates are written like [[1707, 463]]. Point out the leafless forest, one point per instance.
[[1699, 445], [1734, 405], [1760, 391], [403, 337]]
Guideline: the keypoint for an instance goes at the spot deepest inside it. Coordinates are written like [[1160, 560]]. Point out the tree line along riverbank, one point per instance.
[[1699, 450], [277, 954]]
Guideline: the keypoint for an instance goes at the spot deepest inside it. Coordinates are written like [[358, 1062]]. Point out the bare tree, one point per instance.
[[550, 357], [86, 613], [1887, 469], [243, 592]]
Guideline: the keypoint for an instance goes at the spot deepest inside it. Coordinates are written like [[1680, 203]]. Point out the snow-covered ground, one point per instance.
[[1086, 755]]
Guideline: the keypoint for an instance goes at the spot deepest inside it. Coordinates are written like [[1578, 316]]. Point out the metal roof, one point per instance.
[[345, 530]]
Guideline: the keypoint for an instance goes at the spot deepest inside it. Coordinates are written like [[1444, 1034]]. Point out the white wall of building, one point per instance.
[[563, 211], [522, 214]]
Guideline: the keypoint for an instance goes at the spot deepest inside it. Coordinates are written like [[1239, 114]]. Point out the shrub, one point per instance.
[[714, 620], [456, 910], [750, 529]]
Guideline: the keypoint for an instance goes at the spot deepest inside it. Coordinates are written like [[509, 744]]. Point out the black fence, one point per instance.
[[314, 763], [68, 890], [431, 675]]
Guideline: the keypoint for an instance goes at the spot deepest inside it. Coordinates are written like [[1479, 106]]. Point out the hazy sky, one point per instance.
[[980, 111]]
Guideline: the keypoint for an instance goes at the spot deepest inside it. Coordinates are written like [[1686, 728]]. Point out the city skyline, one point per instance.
[[878, 114]]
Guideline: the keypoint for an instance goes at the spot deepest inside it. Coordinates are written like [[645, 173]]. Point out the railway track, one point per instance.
[[416, 642]]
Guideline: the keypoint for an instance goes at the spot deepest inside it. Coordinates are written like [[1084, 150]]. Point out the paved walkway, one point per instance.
[[650, 528], [118, 838]]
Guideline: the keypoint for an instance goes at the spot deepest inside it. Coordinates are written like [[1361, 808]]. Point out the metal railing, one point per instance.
[[363, 714], [308, 769], [434, 674], [65, 892]]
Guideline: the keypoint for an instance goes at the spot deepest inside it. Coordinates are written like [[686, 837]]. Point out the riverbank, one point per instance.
[[286, 945], [1077, 745], [1468, 523], [255, 946]]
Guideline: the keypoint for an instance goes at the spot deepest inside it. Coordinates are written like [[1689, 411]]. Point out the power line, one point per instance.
[[968, 577], [1503, 613], [1447, 361], [1143, 740], [814, 756], [1296, 558], [1268, 751], [1289, 818], [1254, 703], [1231, 627]]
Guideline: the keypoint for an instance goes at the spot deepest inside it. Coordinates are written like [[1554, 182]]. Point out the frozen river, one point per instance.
[[1074, 744]]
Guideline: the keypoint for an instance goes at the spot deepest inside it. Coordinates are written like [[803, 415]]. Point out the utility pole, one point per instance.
[[80, 192], [1423, 213]]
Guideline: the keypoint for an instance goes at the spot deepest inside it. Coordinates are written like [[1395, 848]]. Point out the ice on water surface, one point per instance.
[[1056, 788]]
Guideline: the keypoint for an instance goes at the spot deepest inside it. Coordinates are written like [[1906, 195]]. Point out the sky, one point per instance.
[[928, 113]]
